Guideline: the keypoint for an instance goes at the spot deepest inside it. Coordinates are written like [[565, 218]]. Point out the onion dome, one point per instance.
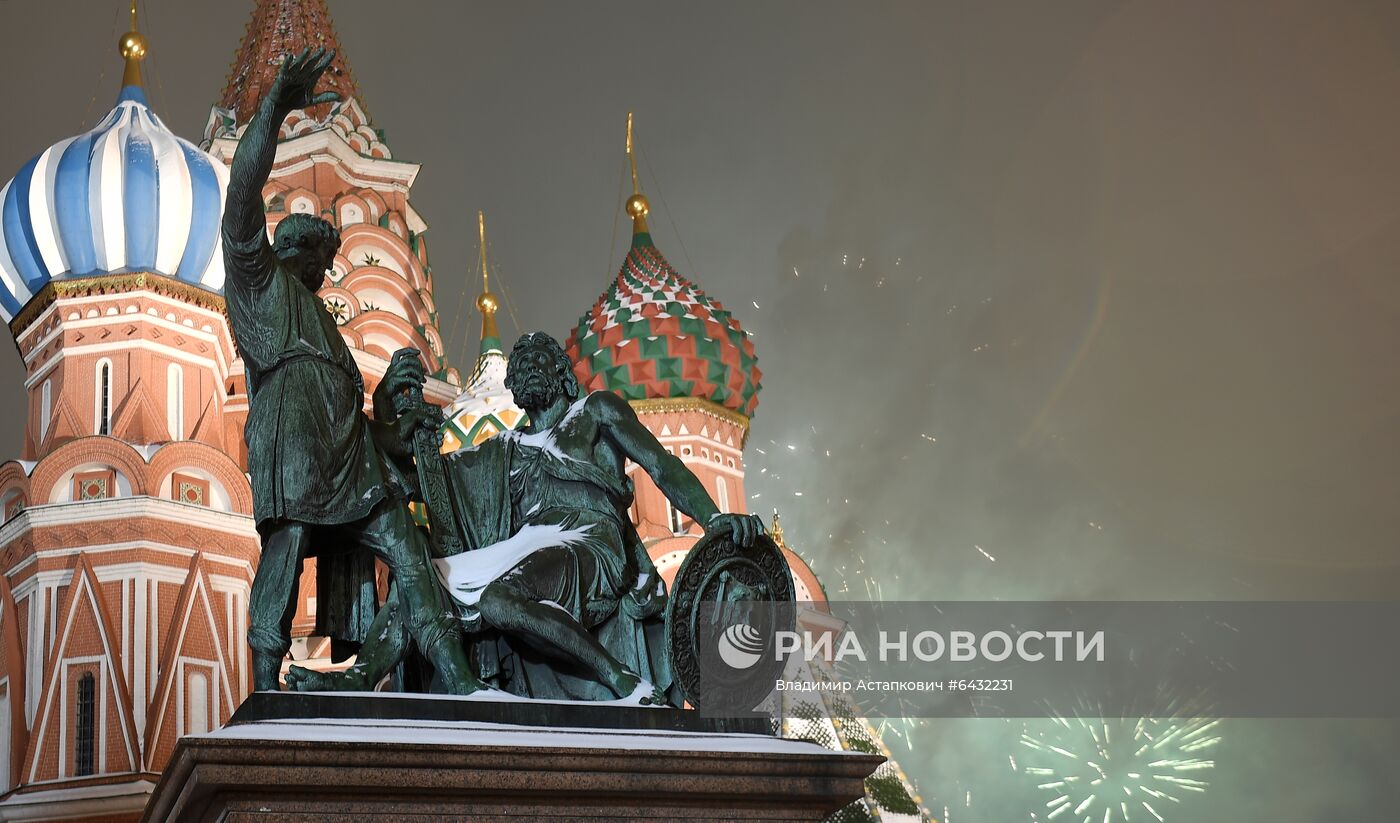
[[654, 334], [127, 196], [485, 407]]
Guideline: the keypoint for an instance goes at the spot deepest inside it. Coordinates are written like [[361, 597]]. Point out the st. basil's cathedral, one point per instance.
[[127, 548]]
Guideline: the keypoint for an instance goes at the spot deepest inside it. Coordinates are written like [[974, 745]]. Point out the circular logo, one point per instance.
[[741, 646]]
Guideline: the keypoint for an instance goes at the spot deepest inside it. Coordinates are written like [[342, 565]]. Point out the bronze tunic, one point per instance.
[[310, 452]]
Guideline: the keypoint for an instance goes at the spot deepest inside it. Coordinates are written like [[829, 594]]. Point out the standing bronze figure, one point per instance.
[[322, 477]]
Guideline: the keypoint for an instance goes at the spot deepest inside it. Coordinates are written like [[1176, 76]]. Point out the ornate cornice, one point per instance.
[[113, 284], [661, 405]]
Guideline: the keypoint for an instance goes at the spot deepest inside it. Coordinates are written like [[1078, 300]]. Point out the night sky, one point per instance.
[[1104, 291]]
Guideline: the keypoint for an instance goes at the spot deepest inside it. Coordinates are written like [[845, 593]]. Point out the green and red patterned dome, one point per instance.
[[654, 334]]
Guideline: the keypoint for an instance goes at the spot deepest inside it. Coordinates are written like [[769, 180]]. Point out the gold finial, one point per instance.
[[486, 303], [485, 274], [778, 529], [132, 48], [633, 160], [637, 205]]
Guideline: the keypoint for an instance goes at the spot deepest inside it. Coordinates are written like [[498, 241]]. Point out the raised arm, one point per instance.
[[245, 223], [678, 483]]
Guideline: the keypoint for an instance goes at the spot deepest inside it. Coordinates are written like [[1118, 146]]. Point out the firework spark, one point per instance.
[[1106, 770]]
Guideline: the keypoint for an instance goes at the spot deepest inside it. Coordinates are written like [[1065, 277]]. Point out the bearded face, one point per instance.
[[533, 377], [539, 373], [536, 389]]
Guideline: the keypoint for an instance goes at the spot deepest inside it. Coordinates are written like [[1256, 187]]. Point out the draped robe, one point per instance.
[[511, 498]]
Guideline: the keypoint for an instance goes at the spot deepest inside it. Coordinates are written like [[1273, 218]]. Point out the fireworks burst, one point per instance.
[[1106, 770]]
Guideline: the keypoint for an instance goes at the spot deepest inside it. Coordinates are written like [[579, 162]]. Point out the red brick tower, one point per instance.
[[127, 547]]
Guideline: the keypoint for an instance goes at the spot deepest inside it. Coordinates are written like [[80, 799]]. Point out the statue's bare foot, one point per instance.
[[641, 692], [656, 698], [302, 679]]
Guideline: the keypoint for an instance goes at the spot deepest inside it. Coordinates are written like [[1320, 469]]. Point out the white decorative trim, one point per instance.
[[85, 322], [127, 652], [175, 401], [53, 618], [416, 223], [211, 698], [7, 755], [132, 748], [691, 460], [137, 569], [332, 149], [225, 584], [144, 345], [721, 494], [692, 438], [34, 648], [140, 570], [45, 408], [72, 802], [153, 658], [138, 655], [176, 695], [120, 508]]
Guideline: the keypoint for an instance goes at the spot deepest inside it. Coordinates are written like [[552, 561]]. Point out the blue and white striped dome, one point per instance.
[[127, 196]]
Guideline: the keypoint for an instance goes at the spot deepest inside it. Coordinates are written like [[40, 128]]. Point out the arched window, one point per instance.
[[175, 401], [678, 522], [45, 408], [104, 397], [86, 725]]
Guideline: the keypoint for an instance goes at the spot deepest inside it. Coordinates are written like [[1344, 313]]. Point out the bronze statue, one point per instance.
[[323, 479], [556, 588]]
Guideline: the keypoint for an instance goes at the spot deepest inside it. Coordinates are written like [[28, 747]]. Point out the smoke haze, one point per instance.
[[1052, 300]]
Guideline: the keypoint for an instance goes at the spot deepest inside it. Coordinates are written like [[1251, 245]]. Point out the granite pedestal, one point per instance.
[[388, 758]]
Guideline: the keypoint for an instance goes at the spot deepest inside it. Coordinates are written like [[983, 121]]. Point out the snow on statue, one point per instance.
[[557, 592]]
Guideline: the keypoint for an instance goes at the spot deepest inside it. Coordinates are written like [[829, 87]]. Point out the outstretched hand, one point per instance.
[[746, 528], [296, 81]]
